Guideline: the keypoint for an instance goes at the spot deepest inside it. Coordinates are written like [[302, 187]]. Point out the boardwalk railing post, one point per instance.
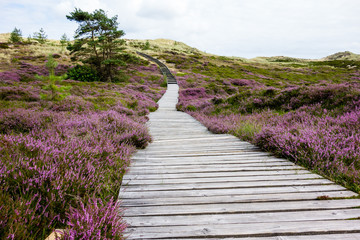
[[163, 68]]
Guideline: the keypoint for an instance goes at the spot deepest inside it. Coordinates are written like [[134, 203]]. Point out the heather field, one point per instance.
[[65, 144], [307, 111]]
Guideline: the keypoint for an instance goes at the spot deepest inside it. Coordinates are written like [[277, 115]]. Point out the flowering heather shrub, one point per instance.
[[23, 120], [82, 172], [9, 77], [19, 93], [328, 144], [95, 220], [212, 123], [242, 82], [192, 93], [62, 162], [26, 72], [85, 156], [73, 104]]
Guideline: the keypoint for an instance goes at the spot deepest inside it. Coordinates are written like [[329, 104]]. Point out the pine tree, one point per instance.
[[97, 41], [16, 36], [40, 36], [64, 40]]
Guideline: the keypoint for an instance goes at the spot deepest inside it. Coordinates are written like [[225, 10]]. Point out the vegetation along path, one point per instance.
[[190, 184]]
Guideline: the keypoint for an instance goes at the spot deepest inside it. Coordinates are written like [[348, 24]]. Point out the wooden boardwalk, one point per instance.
[[192, 184]]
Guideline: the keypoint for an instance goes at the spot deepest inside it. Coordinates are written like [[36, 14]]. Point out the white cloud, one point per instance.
[[161, 9], [304, 28]]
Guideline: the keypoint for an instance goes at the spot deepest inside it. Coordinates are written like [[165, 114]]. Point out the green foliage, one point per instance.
[[16, 36], [64, 40], [163, 84], [83, 73], [28, 40], [57, 93], [338, 63], [4, 46], [165, 80], [51, 64], [246, 130], [40, 36], [97, 42], [146, 46], [191, 108]]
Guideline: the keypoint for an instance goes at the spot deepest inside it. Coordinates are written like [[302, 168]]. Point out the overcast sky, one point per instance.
[[244, 28]]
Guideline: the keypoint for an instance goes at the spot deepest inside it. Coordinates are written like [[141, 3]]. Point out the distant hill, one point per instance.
[[343, 56], [159, 46]]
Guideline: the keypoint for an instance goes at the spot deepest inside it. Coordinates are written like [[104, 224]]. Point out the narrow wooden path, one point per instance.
[[192, 184]]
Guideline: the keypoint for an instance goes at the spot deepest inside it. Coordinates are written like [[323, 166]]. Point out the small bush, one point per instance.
[[83, 73], [15, 36], [4, 46], [191, 108], [40, 36]]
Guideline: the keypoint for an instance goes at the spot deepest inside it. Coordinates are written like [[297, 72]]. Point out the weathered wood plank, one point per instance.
[[250, 198], [182, 162], [129, 175], [230, 192], [344, 236], [202, 154], [225, 185], [194, 149], [218, 219], [212, 169], [222, 179], [243, 207], [243, 156], [224, 147], [247, 230], [195, 165]]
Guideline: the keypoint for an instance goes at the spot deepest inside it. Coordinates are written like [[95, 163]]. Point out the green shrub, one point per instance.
[[191, 108], [16, 36], [163, 84], [83, 73], [246, 130], [146, 46], [4, 46], [40, 36]]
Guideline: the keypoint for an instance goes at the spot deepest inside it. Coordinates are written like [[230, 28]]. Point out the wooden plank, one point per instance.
[[226, 185], [229, 192], [247, 230], [130, 176], [243, 207], [192, 162], [212, 169], [271, 197], [197, 149], [222, 179], [233, 153], [217, 165], [207, 138], [219, 219], [344, 236], [203, 137], [244, 156], [185, 146]]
